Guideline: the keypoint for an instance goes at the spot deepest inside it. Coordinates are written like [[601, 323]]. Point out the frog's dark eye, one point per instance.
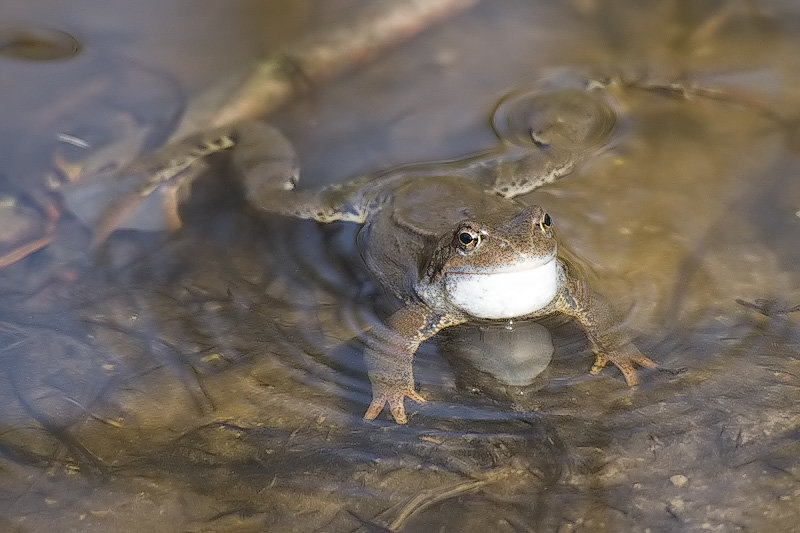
[[467, 239], [545, 223]]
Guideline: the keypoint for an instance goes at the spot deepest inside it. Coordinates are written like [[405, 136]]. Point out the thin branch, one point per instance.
[[430, 497], [332, 52]]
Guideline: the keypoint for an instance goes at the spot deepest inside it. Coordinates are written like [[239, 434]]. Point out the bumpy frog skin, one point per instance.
[[455, 247]]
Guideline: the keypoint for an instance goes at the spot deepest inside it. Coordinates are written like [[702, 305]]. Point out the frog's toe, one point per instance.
[[600, 362], [414, 395], [398, 410], [375, 408], [626, 360], [628, 371], [396, 405], [644, 362]]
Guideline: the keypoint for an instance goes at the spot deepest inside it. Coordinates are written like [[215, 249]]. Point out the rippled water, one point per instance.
[[212, 379]]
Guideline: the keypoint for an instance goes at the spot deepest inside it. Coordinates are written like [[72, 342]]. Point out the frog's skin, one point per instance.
[[456, 247]]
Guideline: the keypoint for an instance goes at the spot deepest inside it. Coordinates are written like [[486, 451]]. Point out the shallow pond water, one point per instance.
[[210, 379]]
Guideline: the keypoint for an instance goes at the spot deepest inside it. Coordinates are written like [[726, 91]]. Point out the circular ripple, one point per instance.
[[569, 118]]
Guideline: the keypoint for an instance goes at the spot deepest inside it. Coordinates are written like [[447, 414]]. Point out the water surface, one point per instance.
[[208, 379]]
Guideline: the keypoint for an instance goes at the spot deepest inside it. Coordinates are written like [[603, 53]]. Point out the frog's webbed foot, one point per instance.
[[394, 395], [623, 358], [604, 327]]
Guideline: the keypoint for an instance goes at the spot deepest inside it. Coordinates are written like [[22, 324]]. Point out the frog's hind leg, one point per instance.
[[268, 169], [515, 173], [346, 202], [270, 181], [545, 134]]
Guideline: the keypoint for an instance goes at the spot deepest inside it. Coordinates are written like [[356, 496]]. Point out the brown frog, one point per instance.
[[454, 246]]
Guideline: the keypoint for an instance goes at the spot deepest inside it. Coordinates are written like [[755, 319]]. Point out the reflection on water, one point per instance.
[[212, 379], [38, 44]]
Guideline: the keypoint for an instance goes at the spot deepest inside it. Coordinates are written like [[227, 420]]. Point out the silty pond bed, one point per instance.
[[207, 379]]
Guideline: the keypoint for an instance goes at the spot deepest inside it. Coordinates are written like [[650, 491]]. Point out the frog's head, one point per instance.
[[498, 267]]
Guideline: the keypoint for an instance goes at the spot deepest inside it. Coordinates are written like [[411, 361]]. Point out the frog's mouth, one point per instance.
[[508, 292]]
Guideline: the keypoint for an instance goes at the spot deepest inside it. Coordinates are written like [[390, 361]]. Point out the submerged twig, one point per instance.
[[429, 497], [24, 250], [741, 98]]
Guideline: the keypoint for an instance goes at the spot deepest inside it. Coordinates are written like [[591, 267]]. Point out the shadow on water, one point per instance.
[[212, 378]]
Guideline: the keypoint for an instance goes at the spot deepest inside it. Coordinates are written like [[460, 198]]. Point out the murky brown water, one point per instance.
[[207, 381]]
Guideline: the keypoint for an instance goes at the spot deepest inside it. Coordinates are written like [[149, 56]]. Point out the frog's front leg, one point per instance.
[[389, 354], [604, 329]]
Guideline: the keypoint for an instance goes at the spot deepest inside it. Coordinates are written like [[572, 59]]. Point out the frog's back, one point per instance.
[[431, 206]]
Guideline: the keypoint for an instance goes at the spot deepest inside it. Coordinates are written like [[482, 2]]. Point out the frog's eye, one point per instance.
[[545, 222], [467, 239]]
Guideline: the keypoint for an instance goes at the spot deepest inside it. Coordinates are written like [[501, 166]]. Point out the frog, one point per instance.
[[454, 243]]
